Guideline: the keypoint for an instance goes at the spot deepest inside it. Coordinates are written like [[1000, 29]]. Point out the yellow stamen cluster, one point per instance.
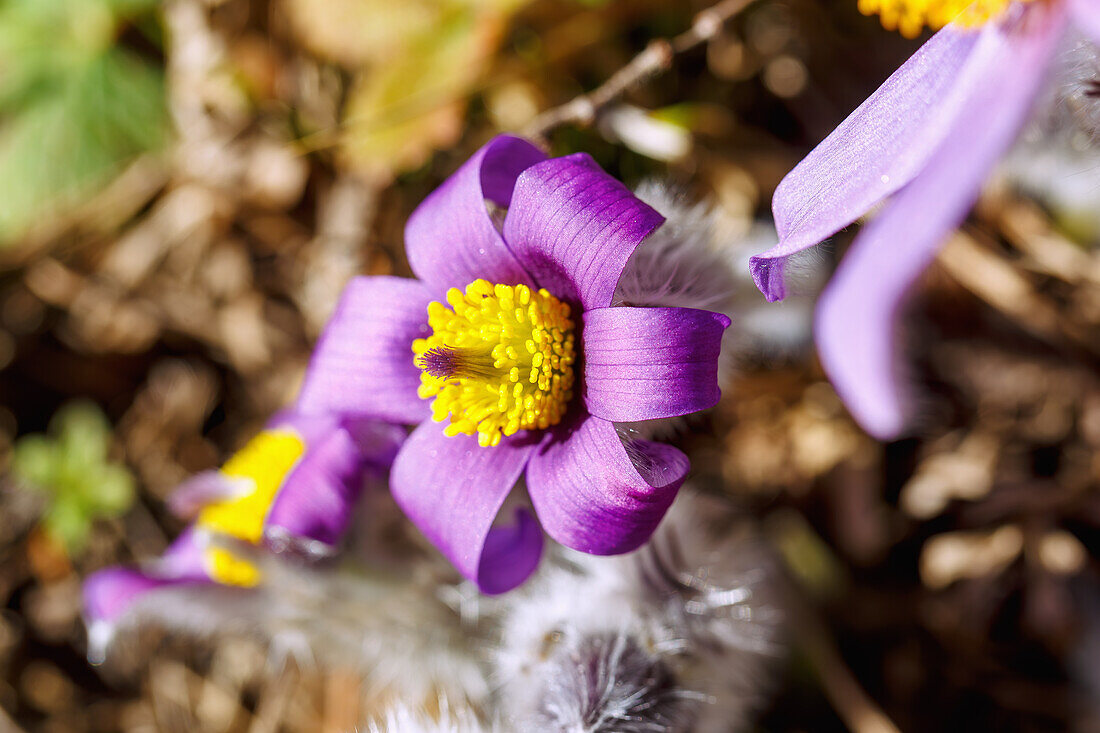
[[910, 17], [264, 461], [499, 360]]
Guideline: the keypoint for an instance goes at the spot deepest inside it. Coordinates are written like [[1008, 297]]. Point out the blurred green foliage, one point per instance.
[[70, 466], [75, 106]]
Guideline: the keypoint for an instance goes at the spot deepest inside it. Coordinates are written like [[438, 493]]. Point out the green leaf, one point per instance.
[[74, 107], [114, 491], [400, 112], [34, 460], [84, 434], [71, 466]]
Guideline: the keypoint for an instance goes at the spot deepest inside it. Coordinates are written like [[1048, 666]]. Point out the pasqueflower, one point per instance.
[[925, 140], [293, 486], [507, 355]]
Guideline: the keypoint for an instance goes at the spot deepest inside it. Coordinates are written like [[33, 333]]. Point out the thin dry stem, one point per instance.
[[656, 59]]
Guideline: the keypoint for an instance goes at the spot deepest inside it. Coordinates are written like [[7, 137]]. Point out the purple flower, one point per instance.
[[508, 337], [292, 486], [928, 138]]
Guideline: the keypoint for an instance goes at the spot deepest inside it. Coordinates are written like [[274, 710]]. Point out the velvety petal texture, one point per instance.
[[594, 494], [855, 319], [648, 363], [363, 362], [874, 152], [451, 239], [570, 228], [453, 489], [573, 228]]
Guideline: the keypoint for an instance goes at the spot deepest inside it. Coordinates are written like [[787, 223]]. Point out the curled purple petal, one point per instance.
[[573, 228], [594, 494], [649, 363], [363, 362], [317, 497], [452, 489], [450, 239], [377, 442], [873, 153], [855, 316]]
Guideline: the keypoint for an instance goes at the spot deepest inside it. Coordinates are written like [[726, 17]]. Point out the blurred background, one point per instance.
[[185, 187]]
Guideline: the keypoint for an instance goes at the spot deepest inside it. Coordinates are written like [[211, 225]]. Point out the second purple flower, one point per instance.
[[508, 342]]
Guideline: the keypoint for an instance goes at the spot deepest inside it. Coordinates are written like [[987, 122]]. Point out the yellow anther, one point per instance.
[[910, 17], [264, 461], [499, 360]]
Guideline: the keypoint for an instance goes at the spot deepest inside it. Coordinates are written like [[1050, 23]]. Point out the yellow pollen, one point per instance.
[[910, 17], [499, 360], [265, 461]]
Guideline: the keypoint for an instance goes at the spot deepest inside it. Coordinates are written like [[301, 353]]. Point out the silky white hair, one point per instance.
[[402, 718], [678, 636]]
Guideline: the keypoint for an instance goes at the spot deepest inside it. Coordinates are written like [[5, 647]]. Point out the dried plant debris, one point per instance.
[[218, 170]]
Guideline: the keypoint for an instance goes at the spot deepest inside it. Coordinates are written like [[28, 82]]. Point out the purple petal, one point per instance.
[[206, 487], [363, 362], [450, 239], [316, 500], [573, 227], [110, 592], [452, 489], [855, 317], [596, 495], [1086, 15], [378, 442], [873, 153], [185, 558], [648, 363]]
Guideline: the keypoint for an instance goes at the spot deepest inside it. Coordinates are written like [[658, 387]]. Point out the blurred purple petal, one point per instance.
[[855, 316], [596, 495], [110, 592], [316, 499], [450, 239], [205, 487], [184, 558], [573, 227], [378, 442], [648, 363], [363, 362], [873, 153], [452, 489], [1086, 14]]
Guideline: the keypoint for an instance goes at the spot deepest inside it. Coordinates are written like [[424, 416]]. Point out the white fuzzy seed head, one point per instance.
[[697, 603], [606, 683]]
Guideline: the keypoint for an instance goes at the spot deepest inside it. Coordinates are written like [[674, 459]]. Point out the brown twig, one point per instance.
[[654, 60]]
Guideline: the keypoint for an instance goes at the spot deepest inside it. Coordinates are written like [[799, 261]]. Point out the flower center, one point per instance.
[[499, 360], [909, 17], [265, 461]]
